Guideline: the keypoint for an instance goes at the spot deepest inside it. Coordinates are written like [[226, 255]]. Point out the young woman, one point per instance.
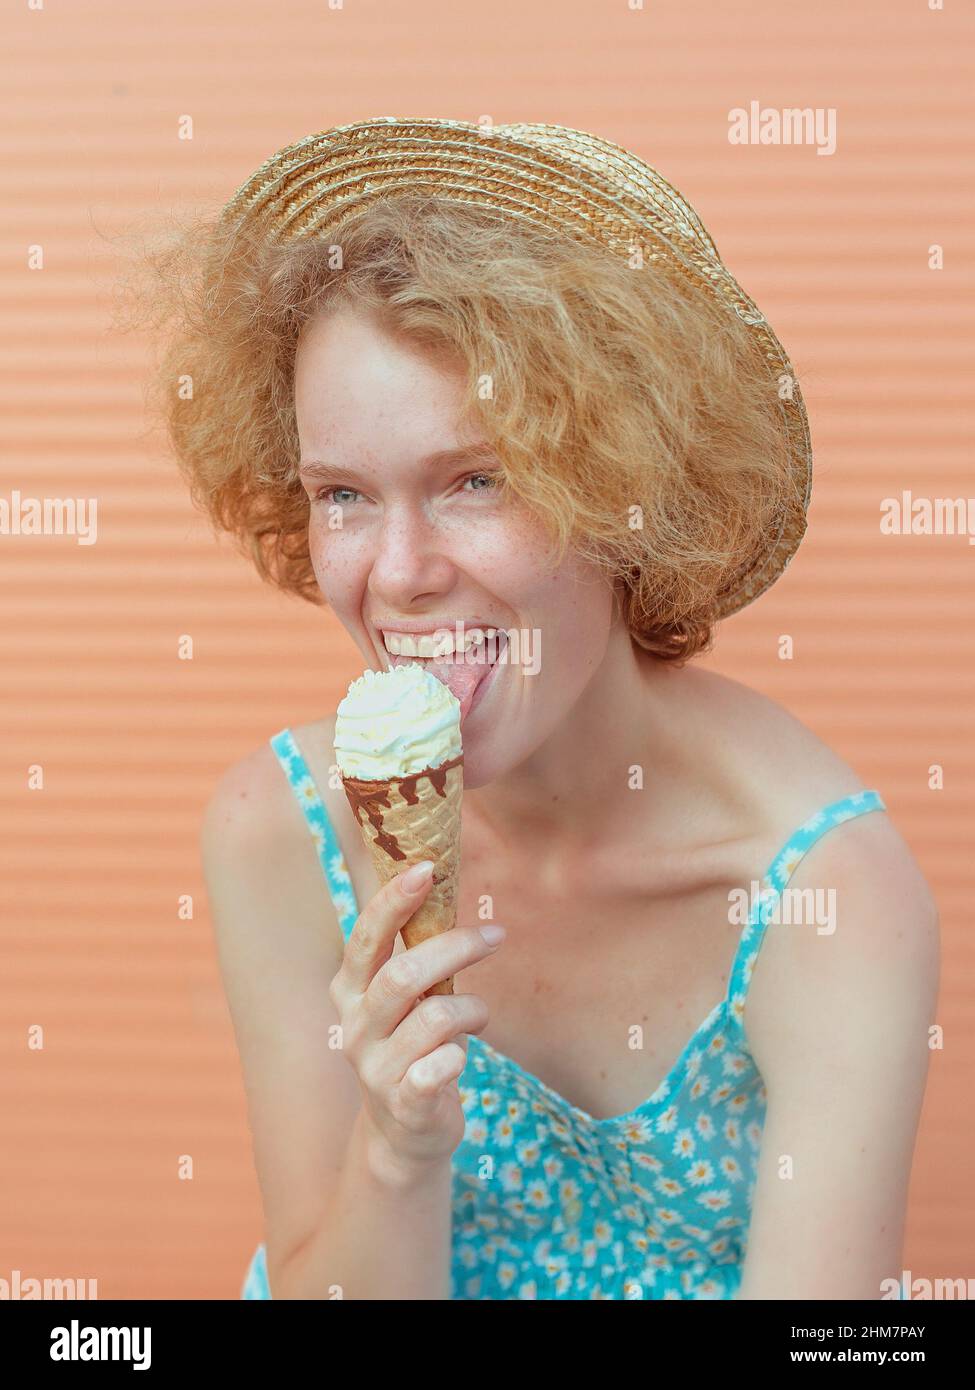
[[637, 1090]]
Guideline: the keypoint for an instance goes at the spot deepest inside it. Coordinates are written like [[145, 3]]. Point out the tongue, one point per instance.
[[461, 679]]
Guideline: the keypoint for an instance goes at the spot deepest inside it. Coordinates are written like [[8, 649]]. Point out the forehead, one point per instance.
[[360, 387]]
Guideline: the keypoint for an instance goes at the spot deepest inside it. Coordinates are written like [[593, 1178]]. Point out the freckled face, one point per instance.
[[395, 533]]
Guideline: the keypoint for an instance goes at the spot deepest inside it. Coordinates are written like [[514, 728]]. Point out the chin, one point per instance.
[[497, 750], [481, 766], [487, 758]]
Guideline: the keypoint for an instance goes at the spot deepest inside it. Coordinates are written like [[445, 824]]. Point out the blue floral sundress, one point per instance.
[[551, 1203]]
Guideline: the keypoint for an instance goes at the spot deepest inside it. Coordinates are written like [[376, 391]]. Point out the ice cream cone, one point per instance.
[[404, 820]]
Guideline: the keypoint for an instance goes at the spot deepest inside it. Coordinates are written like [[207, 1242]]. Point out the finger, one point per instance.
[[380, 1070], [423, 1084], [404, 977], [373, 937], [433, 1022]]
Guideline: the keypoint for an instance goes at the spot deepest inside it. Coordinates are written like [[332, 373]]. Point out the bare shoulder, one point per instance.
[[261, 863], [853, 951], [250, 803], [853, 947], [864, 933], [798, 775], [786, 764]]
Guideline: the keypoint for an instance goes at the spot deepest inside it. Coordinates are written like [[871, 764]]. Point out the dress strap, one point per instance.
[[774, 880], [330, 855]]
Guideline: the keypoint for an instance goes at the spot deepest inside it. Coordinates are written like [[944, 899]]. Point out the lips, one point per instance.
[[462, 676]]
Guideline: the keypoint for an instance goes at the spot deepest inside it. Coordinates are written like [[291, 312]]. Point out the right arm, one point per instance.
[[356, 1195]]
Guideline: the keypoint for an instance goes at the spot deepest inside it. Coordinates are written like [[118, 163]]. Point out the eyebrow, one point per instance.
[[443, 458]]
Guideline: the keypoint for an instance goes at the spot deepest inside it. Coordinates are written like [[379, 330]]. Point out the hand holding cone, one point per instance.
[[405, 820]]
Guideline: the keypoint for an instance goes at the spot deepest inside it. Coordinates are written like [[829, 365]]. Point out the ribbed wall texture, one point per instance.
[[139, 1064]]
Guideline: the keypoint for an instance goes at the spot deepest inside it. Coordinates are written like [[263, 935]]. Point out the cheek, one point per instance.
[[322, 558], [338, 560], [513, 558], [571, 602], [578, 619], [491, 543]]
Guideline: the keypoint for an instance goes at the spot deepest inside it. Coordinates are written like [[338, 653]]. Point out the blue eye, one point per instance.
[[326, 495], [489, 479]]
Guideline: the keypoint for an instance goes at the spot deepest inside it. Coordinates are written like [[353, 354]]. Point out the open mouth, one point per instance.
[[462, 672]]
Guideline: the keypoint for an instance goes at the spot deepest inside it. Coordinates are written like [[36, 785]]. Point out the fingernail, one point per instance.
[[416, 877], [492, 933]]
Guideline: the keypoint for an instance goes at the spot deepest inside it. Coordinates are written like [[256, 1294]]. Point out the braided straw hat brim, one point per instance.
[[566, 182]]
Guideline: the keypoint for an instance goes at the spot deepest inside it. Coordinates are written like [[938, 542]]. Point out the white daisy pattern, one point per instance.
[[654, 1204]]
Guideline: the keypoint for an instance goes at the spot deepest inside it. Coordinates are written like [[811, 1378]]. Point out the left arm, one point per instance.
[[838, 1026]]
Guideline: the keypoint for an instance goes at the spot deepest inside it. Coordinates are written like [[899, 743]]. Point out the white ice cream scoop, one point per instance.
[[397, 722]]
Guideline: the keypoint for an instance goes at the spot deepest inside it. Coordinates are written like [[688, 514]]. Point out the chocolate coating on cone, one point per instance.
[[404, 820], [370, 800]]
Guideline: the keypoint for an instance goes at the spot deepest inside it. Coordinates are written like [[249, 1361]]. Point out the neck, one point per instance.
[[581, 784]]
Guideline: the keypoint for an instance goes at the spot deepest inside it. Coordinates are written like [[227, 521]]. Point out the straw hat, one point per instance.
[[566, 181]]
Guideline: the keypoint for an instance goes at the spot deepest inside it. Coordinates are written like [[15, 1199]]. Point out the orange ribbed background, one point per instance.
[[139, 1064]]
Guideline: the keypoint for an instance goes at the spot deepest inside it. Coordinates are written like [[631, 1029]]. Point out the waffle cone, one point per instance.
[[404, 820]]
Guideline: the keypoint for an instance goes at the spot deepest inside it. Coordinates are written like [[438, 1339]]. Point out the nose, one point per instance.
[[411, 562]]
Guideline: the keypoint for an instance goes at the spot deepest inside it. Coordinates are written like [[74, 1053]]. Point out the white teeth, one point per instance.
[[440, 645]]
